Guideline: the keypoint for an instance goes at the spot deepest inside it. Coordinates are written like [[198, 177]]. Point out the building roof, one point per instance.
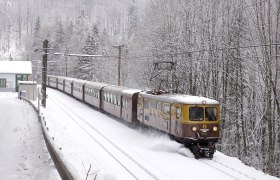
[[15, 67]]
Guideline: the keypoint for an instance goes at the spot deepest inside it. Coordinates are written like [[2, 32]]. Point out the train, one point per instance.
[[193, 121]]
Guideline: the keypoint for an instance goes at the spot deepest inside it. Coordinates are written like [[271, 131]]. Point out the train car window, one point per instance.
[[111, 97], [159, 105], [124, 103], [146, 104], [140, 101], [95, 93], [166, 108], [105, 95], [115, 99], [178, 112], [153, 104], [211, 114], [118, 100], [196, 113]]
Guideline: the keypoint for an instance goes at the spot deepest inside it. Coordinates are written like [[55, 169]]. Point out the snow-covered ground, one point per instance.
[[94, 144], [23, 153]]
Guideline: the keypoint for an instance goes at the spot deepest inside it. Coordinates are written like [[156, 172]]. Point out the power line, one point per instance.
[[199, 51], [113, 58]]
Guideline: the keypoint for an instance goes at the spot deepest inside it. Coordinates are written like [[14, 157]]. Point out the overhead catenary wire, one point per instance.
[[113, 58]]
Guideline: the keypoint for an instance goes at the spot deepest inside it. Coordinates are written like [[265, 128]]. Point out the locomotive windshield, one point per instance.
[[197, 113], [210, 114]]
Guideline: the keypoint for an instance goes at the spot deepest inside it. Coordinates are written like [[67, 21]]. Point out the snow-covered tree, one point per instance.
[[87, 69]]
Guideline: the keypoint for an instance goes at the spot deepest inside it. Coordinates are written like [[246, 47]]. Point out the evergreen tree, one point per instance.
[[132, 19], [35, 57], [58, 67], [87, 64], [36, 34]]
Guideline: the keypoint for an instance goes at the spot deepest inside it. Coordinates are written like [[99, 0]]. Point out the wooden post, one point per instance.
[[119, 62], [44, 72]]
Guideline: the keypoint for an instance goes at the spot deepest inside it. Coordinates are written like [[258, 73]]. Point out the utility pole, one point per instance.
[[119, 62], [65, 56], [44, 72]]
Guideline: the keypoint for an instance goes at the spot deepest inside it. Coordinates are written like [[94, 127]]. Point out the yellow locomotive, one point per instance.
[[191, 120]]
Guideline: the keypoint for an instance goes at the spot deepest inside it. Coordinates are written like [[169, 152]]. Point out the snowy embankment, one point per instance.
[[23, 154], [93, 144]]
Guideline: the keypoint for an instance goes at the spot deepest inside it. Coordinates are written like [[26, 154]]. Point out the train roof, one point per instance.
[[52, 76], [69, 79], [181, 98], [91, 84], [60, 77], [79, 81], [121, 89]]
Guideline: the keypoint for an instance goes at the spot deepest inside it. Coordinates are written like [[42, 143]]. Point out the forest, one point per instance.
[[228, 50]]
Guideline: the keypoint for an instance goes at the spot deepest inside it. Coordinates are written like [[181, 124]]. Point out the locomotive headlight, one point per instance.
[[194, 129], [215, 128]]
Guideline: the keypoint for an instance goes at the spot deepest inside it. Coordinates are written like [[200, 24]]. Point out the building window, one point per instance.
[[2, 83]]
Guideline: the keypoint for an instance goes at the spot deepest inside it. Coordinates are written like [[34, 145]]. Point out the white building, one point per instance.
[[11, 72]]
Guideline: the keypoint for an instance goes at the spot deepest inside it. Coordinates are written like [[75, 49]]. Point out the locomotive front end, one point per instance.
[[201, 128]]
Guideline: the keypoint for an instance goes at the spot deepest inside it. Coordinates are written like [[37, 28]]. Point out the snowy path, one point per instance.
[[87, 138], [23, 153]]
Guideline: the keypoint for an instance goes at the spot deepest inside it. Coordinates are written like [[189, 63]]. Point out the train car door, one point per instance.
[[146, 110], [166, 109], [140, 108], [176, 116]]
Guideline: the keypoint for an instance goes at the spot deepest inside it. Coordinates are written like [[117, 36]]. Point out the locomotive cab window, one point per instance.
[[196, 113], [211, 114]]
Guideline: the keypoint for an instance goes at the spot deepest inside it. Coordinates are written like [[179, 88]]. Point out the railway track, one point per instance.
[[226, 169], [126, 160], [132, 159]]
